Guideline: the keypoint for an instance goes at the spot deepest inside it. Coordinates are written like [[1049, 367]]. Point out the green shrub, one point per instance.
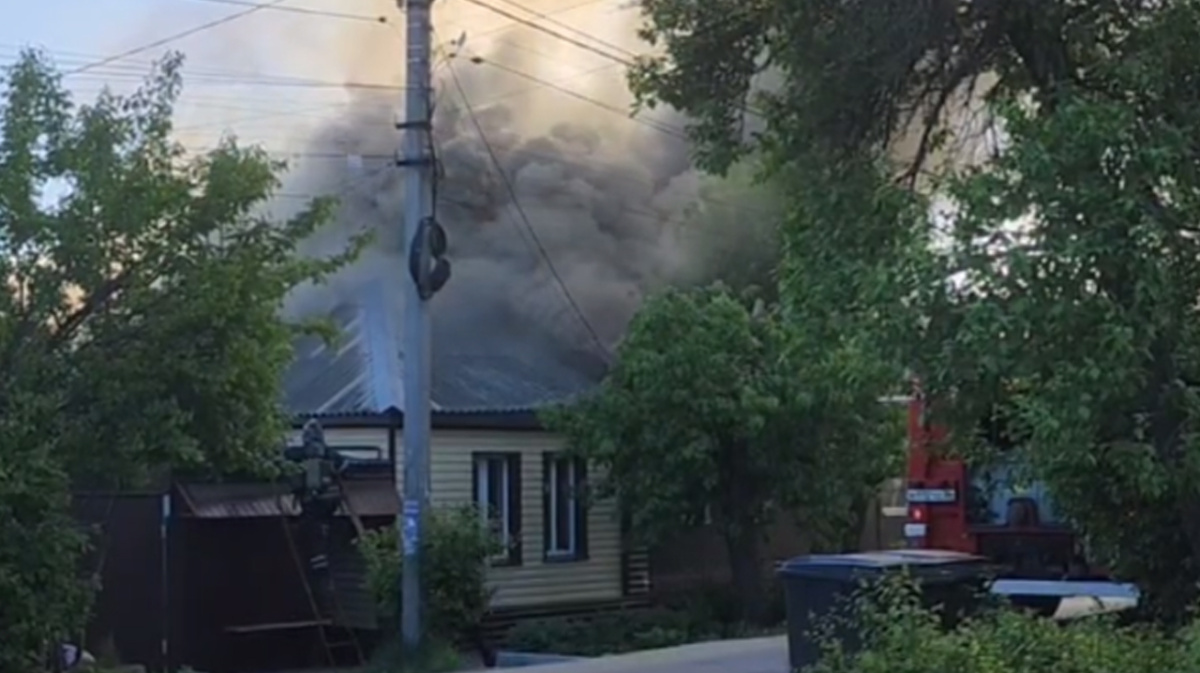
[[434, 656], [703, 612], [899, 636], [610, 633], [455, 554], [43, 599], [717, 606]]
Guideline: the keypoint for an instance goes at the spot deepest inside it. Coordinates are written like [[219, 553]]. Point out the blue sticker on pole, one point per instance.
[[410, 532]]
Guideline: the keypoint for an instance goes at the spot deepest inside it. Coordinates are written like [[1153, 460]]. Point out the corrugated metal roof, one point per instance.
[[368, 497], [478, 382], [362, 372]]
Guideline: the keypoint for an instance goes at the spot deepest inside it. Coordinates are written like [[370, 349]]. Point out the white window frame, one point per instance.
[[484, 464], [554, 547]]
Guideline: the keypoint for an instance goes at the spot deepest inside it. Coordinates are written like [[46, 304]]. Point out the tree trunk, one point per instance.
[[746, 568]]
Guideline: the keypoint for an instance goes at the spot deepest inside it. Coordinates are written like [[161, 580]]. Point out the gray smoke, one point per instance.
[[609, 199]]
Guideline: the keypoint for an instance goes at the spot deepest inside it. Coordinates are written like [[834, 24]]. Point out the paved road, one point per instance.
[[753, 655]]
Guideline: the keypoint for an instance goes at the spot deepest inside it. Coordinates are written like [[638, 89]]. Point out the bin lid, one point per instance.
[[924, 564]]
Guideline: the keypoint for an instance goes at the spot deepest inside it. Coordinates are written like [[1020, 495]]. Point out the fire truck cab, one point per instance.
[[952, 506]]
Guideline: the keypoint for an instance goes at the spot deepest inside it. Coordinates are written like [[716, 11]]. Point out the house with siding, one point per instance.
[[487, 448], [209, 574]]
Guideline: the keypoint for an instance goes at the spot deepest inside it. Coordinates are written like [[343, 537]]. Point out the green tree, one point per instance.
[[1081, 318], [832, 79], [711, 403], [1079, 250], [139, 321]]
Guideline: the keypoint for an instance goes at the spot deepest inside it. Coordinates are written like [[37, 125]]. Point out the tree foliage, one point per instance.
[[833, 78], [139, 324], [456, 552], [1064, 287], [897, 632], [1080, 261], [712, 404]]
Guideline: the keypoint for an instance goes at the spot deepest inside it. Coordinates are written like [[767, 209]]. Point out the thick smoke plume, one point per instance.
[[608, 198]]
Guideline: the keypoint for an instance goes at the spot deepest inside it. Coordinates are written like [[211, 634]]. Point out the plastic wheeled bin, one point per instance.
[[820, 586]]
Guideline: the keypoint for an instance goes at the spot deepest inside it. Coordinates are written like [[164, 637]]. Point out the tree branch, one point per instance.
[[95, 302]]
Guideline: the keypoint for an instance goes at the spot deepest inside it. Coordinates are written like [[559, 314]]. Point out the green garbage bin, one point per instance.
[[817, 587]]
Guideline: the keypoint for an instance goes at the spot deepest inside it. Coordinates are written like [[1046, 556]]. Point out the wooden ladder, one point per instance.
[[324, 624]]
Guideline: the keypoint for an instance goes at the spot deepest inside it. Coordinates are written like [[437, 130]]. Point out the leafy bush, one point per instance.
[[611, 633], [898, 635], [703, 612], [434, 656], [717, 603], [42, 596], [454, 572]]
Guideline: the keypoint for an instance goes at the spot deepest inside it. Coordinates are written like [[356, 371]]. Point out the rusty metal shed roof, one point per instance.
[[367, 497]]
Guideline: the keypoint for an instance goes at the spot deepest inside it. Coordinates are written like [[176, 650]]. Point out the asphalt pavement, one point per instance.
[[751, 655]]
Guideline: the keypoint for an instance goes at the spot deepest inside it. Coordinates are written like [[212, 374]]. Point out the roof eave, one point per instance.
[[516, 419]]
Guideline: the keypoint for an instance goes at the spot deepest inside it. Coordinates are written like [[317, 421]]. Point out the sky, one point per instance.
[[68, 24], [217, 96]]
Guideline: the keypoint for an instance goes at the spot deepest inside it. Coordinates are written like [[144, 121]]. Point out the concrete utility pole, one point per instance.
[[417, 161]]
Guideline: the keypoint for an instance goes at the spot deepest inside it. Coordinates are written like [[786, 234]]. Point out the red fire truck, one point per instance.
[[981, 511]]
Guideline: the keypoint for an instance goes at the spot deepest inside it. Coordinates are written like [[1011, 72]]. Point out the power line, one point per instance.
[[512, 193], [548, 31], [263, 81], [560, 10], [312, 155], [134, 69], [744, 107], [306, 10], [649, 123], [567, 27], [172, 38]]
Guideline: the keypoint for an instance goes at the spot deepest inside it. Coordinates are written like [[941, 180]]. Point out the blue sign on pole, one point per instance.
[[410, 533]]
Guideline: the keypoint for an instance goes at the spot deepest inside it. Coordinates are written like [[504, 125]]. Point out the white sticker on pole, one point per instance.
[[410, 534], [915, 530]]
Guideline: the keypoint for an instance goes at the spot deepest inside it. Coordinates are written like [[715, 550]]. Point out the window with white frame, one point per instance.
[[564, 510], [496, 482]]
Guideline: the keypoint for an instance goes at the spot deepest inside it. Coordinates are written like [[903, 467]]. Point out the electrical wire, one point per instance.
[[135, 70], [524, 217], [264, 82], [626, 61], [11, 52], [551, 32], [560, 10], [305, 10], [266, 114], [562, 25], [305, 155], [649, 123], [172, 38]]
